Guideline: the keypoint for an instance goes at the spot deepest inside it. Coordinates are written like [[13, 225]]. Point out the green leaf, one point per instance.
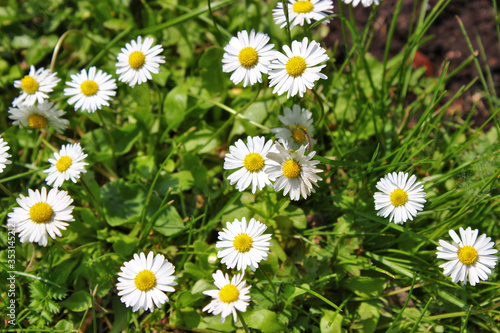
[[122, 202], [79, 301], [169, 222], [211, 69], [369, 313], [327, 325], [125, 137], [64, 326], [263, 320], [175, 107], [365, 286]]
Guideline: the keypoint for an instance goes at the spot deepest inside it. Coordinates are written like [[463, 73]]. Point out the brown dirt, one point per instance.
[[448, 42]]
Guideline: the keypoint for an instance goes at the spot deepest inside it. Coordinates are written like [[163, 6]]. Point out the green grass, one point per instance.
[[155, 180]]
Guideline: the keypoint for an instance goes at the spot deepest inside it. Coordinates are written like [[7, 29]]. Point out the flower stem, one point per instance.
[[9, 193], [110, 138], [94, 200], [243, 322], [322, 108], [272, 285]]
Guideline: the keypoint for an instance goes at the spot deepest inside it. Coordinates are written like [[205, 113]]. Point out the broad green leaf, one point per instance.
[[122, 202], [369, 313], [79, 301], [365, 286], [169, 222], [263, 320], [175, 107], [211, 69], [327, 325]]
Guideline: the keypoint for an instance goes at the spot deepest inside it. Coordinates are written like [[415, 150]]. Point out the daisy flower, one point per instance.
[[298, 123], [35, 86], [232, 295], [41, 214], [365, 3], [294, 171], [248, 57], [298, 68], [89, 91], [400, 198], [67, 164], [468, 255], [251, 161], [243, 244], [144, 280], [39, 116], [138, 60], [303, 10], [4, 156]]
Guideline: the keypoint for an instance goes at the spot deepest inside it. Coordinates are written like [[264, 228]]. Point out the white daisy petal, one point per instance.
[[467, 256], [297, 122], [250, 160], [243, 245], [39, 116], [294, 71], [231, 295], [303, 10], [396, 199], [138, 60], [4, 156], [248, 57], [90, 91], [142, 281], [294, 171], [68, 164], [35, 86], [40, 214], [365, 3]]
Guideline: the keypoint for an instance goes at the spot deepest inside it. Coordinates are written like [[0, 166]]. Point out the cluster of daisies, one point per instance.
[[45, 213], [285, 164], [143, 280]]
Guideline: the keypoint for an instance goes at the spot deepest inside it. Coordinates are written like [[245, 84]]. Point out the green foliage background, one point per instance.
[[156, 181]]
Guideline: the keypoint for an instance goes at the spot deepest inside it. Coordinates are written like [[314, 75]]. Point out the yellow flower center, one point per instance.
[[291, 169], [29, 84], [89, 88], [136, 59], [229, 293], [36, 121], [399, 197], [63, 163], [467, 255], [248, 57], [253, 162], [299, 134], [302, 6], [243, 243], [295, 66], [145, 280], [41, 212]]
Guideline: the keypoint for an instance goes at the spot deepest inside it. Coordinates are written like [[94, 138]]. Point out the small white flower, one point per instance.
[[232, 295], [143, 281], [365, 3], [294, 171], [138, 60], [41, 214], [67, 164], [251, 160], [39, 116], [35, 86], [468, 255], [90, 91], [298, 123], [4, 156], [248, 56], [303, 10], [243, 245], [298, 68], [400, 198]]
